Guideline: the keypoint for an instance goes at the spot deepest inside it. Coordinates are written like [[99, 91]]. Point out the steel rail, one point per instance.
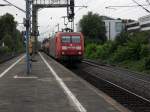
[[114, 71], [141, 97]]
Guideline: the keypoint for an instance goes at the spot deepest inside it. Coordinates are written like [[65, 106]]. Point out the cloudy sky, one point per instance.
[[48, 18]]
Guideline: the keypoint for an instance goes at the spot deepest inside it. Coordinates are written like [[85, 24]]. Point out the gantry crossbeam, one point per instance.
[[50, 1], [50, 5]]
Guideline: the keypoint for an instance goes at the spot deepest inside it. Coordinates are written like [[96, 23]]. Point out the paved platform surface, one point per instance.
[[49, 88]]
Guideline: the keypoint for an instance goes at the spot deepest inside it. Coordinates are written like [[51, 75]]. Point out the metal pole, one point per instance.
[[109, 30], [73, 25], [27, 35], [58, 27]]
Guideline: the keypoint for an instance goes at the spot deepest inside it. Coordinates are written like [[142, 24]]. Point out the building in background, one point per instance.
[[113, 28], [144, 23], [132, 26]]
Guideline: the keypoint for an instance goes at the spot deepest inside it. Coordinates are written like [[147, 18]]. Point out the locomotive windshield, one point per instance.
[[75, 39], [70, 39], [66, 39]]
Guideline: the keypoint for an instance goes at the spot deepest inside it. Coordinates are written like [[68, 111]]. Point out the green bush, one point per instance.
[[145, 51], [104, 51], [4, 50], [121, 54], [147, 63], [128, 50], [134, 50], [91, 50], [139, 37], [100, 51], [122, 38]]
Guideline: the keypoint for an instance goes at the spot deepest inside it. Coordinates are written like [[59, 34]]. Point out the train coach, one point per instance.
[[67, 46], [46, 45]]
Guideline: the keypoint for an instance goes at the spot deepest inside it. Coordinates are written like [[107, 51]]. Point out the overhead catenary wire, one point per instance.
[[126, 6], [148, 2], [11, 4], [141, 6], [130, 6]]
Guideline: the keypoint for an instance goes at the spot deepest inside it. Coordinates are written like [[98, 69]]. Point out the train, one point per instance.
[[65, 46]]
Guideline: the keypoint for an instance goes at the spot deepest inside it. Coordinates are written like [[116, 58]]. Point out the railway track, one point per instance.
[[127, 98], [134, 75], [7, 58]]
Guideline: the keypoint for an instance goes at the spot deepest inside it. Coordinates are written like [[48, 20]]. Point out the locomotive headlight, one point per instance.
[[63, 53], [78, 47], [64, 47], [79, 53]]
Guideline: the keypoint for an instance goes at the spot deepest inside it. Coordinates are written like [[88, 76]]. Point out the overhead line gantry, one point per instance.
[[38, 4]]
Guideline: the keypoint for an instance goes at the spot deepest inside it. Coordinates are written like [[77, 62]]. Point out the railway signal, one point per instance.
[[70, 11]]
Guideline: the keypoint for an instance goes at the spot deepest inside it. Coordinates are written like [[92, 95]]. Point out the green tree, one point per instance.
[[7, 25], [9, 33], [93, 27], [8, 41]]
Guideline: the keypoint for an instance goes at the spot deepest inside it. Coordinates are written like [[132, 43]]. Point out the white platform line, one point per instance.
[[69, 94], [23, 77], [9, 68]]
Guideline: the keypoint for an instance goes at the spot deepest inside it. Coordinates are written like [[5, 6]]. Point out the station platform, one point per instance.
[[49, 88]]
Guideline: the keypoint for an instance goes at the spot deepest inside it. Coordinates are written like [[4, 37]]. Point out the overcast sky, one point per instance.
[[98, 6]]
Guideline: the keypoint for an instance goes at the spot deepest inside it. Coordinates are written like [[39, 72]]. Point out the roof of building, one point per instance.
[[107, 18]]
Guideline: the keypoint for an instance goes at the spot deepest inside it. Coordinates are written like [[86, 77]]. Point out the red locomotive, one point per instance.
[[66, 46]]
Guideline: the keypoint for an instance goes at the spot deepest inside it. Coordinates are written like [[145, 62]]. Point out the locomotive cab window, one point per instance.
[[65, 39], [75, 39]]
